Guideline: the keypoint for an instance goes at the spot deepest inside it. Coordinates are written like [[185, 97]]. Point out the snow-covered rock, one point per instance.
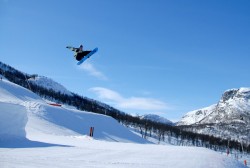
[[229, 118], [196, 116], [234, 106]]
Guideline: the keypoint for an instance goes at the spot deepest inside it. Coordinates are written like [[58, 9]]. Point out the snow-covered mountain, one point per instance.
[[196, 116], [49, 84], [156, 118], [234, 106], [229, 118]]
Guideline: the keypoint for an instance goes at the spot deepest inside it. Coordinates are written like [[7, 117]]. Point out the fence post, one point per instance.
[[90, 131]]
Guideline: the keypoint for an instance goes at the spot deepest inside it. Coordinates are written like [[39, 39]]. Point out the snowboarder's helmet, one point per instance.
[[80, 45]]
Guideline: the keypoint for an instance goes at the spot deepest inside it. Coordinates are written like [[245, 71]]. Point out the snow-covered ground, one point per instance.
[[36, 134], [38, 120], [93, 153]]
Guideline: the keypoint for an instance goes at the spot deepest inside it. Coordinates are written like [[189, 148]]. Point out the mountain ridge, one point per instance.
[[157, 118], [49, 84], [229, 118]]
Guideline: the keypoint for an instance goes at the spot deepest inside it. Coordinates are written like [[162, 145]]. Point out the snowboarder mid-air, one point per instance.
[[80, 54]]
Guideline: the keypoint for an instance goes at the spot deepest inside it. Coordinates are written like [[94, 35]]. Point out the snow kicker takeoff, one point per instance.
[[82, 55]]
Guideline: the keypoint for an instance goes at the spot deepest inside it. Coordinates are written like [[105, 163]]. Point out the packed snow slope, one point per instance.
[[100, 154], [24, 115]]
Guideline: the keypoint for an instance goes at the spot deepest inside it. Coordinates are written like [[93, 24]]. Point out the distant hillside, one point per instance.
[[196, 116], [49, 84], [156, 118], [229, 118]]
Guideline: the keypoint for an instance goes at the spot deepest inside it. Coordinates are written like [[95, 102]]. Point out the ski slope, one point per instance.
[[36, 134], [35, 119]]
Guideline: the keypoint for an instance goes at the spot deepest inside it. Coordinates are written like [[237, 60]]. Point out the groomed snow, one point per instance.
[[38, 118], [13, 121], [100, 154]]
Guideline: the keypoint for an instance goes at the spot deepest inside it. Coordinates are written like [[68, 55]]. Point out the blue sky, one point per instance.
[[155, 56]]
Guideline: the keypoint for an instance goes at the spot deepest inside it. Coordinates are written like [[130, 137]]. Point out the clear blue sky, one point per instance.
[[164, 57]]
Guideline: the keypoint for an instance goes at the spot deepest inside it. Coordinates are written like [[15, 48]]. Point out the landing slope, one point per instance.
[[24, 114]]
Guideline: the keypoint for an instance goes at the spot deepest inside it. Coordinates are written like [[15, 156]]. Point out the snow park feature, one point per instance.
[[35, 134], [55, 104], [64, 121]]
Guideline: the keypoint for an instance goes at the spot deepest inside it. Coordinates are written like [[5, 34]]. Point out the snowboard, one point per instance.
[[87, 56]]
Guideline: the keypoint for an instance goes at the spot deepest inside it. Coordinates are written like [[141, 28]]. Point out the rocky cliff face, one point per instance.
[[229, 118], [233, 107]]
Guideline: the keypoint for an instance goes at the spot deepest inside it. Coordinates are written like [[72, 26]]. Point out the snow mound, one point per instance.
[[49, 121], [12, 93], [13, 121], [24, 114]]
